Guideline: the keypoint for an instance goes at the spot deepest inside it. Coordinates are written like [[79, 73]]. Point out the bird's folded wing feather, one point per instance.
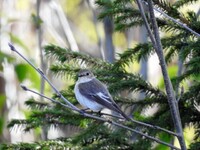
[[94, 90]]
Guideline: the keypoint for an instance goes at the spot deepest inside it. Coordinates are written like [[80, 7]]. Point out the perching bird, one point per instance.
[[92, 94]]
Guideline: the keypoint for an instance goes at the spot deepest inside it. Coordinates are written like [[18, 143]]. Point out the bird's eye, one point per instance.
[[87, 73]]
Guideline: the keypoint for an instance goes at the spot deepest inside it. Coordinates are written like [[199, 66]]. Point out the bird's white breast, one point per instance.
[[85, 102]]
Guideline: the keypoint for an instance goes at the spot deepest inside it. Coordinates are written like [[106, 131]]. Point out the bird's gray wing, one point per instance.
[[94, 90]]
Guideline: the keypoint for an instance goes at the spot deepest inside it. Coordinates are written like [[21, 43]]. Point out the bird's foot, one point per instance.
[[83, 111], [99, 113]]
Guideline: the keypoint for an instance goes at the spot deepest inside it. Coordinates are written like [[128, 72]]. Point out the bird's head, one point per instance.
[[85, 75]]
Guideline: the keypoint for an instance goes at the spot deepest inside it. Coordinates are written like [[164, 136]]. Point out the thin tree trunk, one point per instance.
[[4, 135], [42, 63], [143, 62], [100, 45], [155, 38], [109, 48], [65, 25]]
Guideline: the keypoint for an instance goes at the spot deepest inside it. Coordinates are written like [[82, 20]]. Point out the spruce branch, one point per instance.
[[85, 114], [42, 95], [36, 104], [72, 107], [66, 55], [64, 70]]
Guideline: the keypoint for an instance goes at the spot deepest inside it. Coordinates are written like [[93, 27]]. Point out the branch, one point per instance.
[[85, 114], [45, 78], [168, 85], [42, 95], [132, 120], [74, 108]]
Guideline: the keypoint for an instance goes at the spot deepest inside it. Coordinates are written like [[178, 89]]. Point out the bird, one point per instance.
[[93, 94]]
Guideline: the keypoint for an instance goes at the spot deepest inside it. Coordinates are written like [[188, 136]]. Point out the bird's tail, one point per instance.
[[124, 115], [117, 109]]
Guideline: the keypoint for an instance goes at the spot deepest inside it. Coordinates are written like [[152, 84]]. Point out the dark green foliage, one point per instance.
[[65, 56], [32, 104], [195, 146], [51, 116], [179, 42], [123, 13]]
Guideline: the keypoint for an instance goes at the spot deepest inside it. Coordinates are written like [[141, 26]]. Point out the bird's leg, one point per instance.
[[84, 109], [99, 113]]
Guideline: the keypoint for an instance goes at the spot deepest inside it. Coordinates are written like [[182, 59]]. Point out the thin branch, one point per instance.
[[168, 85], [130, 129], [42, 74], [174, 20], [169, 89], [111, 115], [42, 95], [154, 127], [85, 114], [58, 102], [71, 106], [145, 135]]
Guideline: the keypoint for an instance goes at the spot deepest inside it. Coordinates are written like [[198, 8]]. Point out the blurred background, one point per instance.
[[73, 24]]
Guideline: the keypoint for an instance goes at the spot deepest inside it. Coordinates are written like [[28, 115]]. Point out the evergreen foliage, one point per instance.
[[97, 135]]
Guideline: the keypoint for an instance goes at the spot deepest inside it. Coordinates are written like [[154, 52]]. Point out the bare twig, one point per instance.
[[42, 74]]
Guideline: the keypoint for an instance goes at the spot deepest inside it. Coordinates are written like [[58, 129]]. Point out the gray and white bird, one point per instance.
[[93, 94]]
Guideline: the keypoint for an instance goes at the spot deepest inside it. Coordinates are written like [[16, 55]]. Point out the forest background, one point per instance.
[[116, 37]]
